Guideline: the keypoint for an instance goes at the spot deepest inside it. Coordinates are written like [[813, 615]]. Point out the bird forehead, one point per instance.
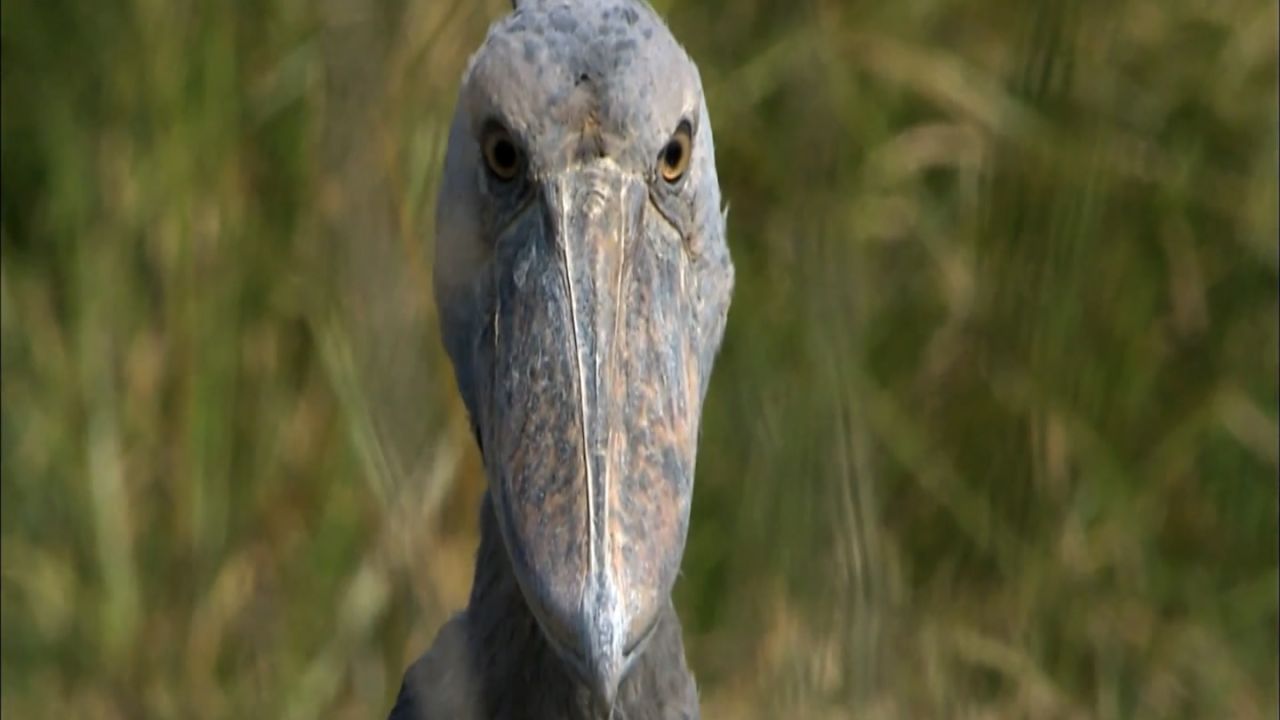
[[555, 65]]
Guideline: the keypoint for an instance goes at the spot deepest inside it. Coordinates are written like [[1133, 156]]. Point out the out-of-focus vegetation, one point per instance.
[[993, 433]]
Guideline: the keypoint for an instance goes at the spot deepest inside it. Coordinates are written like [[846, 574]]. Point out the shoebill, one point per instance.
[[583, 281]]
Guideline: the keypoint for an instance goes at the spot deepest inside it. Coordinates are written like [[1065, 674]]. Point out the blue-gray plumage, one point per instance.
[[583, 281]]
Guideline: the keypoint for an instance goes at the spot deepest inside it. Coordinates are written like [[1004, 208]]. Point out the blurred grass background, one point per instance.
[[993, 432]]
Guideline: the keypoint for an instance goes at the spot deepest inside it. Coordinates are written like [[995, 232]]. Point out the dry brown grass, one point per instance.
[[993, 434]]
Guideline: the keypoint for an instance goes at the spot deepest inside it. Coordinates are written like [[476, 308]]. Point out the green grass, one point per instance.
[[993, 432]]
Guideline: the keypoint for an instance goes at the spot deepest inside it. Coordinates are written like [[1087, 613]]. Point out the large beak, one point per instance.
[[591, 435]]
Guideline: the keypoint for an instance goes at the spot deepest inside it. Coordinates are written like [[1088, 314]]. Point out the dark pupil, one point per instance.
[[504, 155], [672, 154]]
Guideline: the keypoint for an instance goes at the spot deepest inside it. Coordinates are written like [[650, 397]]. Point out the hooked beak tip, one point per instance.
[[604, 631], [604, 682]]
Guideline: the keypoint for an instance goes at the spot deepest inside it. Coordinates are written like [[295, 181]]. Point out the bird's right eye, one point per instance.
[[674, 158], [501, 154]]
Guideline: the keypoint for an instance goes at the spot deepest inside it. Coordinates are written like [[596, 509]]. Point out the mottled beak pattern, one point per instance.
[[590, 440]]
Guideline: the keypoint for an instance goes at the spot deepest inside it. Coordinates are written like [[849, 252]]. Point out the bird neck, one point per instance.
[[521, 674]]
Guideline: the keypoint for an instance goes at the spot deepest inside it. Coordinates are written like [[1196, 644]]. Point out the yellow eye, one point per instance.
[[501, 154], [674, 158]]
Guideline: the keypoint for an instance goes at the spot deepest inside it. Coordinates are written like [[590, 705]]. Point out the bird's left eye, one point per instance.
[[674, 158], [501, 154]]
